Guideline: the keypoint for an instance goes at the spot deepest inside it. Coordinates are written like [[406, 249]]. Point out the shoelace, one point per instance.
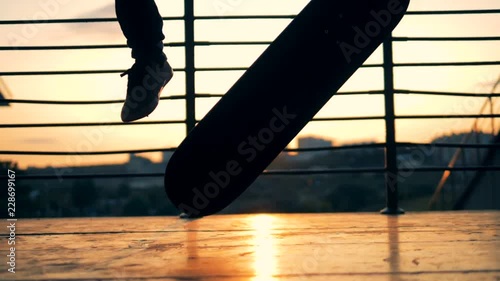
[[126, 72], [133, 68]]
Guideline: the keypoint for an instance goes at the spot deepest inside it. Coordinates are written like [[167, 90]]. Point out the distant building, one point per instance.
[[4, 93], [313, 142], [138, 165], [139, 162]]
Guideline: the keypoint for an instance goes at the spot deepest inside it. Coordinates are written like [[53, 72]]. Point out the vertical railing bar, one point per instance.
[[453, 183], [492, 111], [478, 141], [391, 165], [493, 133], [190, 65], [442, 197], [465, 174], [493, 179]]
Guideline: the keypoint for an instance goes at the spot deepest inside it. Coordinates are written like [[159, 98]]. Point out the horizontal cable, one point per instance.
[[484, 38], [437, 93], [53, 102], [353, 93], [228, 43], [332, 148], [265, 173], [313, 149], [323, 119], [62, 72], [394, 39], [71, 72], [119, 46], [345, 93], [173, 97], [245, 17], [64, 153], [231, 43], [242, 17], [84, 176], [447, 12], [77, 47], [459, 116], [471, 63], [245, 68], [79, 72], [157, 175], [455, 12], [45, 125], [77, 20], [180, 97], [321, 171], [42, 125], [66, 72], [374, 170], [447, 145], [456, 169], [209, 95]]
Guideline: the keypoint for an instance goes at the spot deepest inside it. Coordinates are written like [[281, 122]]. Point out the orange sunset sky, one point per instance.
[[475, 79]]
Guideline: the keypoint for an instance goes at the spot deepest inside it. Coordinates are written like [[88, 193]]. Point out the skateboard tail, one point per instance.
[[274, 99]]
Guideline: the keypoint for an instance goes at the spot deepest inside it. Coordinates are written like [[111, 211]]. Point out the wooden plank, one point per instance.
[[239, 238], [164, 259], [262, 247], [432, 221]]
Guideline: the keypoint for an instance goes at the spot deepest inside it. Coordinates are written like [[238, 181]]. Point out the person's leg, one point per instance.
[[142, 25]]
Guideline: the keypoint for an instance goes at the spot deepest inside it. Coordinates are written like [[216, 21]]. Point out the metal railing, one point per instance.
[[390, 170]]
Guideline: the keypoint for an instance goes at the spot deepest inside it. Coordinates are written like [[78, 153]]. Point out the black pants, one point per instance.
[[142, 25]]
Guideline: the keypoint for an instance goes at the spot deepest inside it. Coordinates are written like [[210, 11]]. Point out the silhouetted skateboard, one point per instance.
[[274, 99]]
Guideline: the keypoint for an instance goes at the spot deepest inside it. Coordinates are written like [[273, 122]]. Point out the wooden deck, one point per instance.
[[419, 246]]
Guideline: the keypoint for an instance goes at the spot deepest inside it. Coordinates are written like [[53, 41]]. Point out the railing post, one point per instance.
[[190, 65], [391, 165], [493, 134]]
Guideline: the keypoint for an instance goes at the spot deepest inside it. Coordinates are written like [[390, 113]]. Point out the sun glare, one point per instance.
[[264, 248]]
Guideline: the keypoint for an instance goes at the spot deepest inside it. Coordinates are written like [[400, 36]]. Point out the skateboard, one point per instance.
[[274, 99]]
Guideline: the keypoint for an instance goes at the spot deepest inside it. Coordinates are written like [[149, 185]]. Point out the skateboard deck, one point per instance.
[[274, 99]]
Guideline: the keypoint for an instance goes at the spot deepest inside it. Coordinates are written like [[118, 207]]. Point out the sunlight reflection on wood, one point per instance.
[[264, 248]]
